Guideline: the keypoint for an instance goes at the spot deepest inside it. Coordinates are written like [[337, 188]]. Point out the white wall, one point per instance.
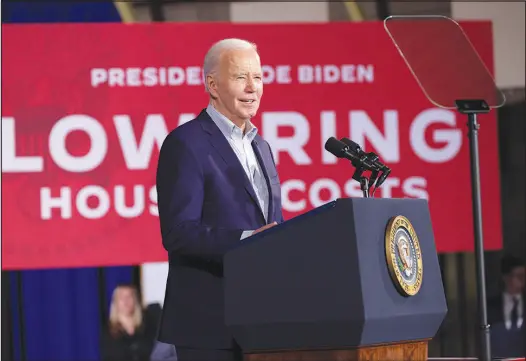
[[508, 36], [153, 282], [278, 11]]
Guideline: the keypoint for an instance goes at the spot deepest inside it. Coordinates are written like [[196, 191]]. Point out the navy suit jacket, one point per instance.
[[507, 343], [205, 203]]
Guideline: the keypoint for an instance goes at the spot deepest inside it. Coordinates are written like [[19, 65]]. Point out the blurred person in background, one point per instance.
[[506, 311], [508, 306], [217, 184], [128, 336]]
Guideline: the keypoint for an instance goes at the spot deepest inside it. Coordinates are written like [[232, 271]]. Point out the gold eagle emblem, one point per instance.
[[404, 256]]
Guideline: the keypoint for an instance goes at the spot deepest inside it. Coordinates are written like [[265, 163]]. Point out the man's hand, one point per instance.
[[265, 227]]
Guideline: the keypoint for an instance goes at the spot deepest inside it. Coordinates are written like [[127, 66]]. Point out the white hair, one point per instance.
[[214, 53]]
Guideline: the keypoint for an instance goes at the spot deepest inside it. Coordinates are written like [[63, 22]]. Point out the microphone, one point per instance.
[[350, 152], [383, 177], [346, 148], [352, 145], [373, 159]]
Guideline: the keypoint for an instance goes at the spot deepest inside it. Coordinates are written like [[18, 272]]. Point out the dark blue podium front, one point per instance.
[[321, 281]]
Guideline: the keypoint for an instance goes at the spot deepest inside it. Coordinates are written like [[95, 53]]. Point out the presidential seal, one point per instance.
[[404, 257]]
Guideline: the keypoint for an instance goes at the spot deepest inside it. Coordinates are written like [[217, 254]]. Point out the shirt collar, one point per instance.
[[228, 128], [510, 298]]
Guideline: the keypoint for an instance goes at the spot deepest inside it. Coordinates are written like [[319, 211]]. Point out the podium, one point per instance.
[[354, 279]]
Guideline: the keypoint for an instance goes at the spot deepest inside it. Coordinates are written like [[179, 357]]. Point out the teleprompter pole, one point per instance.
[[472, 108]]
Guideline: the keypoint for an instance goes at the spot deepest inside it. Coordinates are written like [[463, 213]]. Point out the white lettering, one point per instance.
[[387, 187], [305, 74], [415, 187], [150, 76], [154, 133], [175, 76], [163, 76], [330, 74], [116, 77], [94, 202], [318, 186], [268, 74], [324, 190], [11, 162], [103, 202], [292, 145], [133, 76], [63, 202], [120, 202], [365, 74], [387, 146], [98, 76], [286, 188], [352, 188], [57, 143], [193, 75], [328, 129], [283, 74], [451, 137], [280, 75], [154, 210]]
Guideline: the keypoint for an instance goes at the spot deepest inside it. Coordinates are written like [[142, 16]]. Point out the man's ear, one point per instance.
[[212, 85]]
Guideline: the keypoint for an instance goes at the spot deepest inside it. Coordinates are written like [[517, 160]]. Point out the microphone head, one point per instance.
[[352, 145], [383, 177], [335, 147]]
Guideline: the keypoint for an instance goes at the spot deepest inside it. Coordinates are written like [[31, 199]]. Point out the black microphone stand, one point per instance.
[[364, 185], [364, 181], [472, 108], [358, 163], [366, 161]]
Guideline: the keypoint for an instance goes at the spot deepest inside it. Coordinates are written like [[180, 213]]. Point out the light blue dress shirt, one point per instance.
[[241, 144]]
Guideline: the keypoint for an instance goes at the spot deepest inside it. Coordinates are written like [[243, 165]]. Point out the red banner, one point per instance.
[[85, 108]]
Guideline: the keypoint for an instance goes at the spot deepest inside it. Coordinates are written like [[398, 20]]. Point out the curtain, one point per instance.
[[58, 314], [7, 351]]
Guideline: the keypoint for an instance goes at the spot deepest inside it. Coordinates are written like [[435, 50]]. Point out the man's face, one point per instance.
[[237, 85], [515, 280]]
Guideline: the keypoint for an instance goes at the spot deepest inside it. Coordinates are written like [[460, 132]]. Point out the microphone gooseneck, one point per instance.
[[348, 149]]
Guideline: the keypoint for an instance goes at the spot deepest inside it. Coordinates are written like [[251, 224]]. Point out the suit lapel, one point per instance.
[[265, 164], [223, 148]]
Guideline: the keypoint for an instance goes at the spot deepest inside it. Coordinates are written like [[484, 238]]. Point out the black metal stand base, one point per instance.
[[472, 108]]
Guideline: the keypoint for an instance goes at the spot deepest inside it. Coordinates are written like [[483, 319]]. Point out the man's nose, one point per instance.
[[251, 86]]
